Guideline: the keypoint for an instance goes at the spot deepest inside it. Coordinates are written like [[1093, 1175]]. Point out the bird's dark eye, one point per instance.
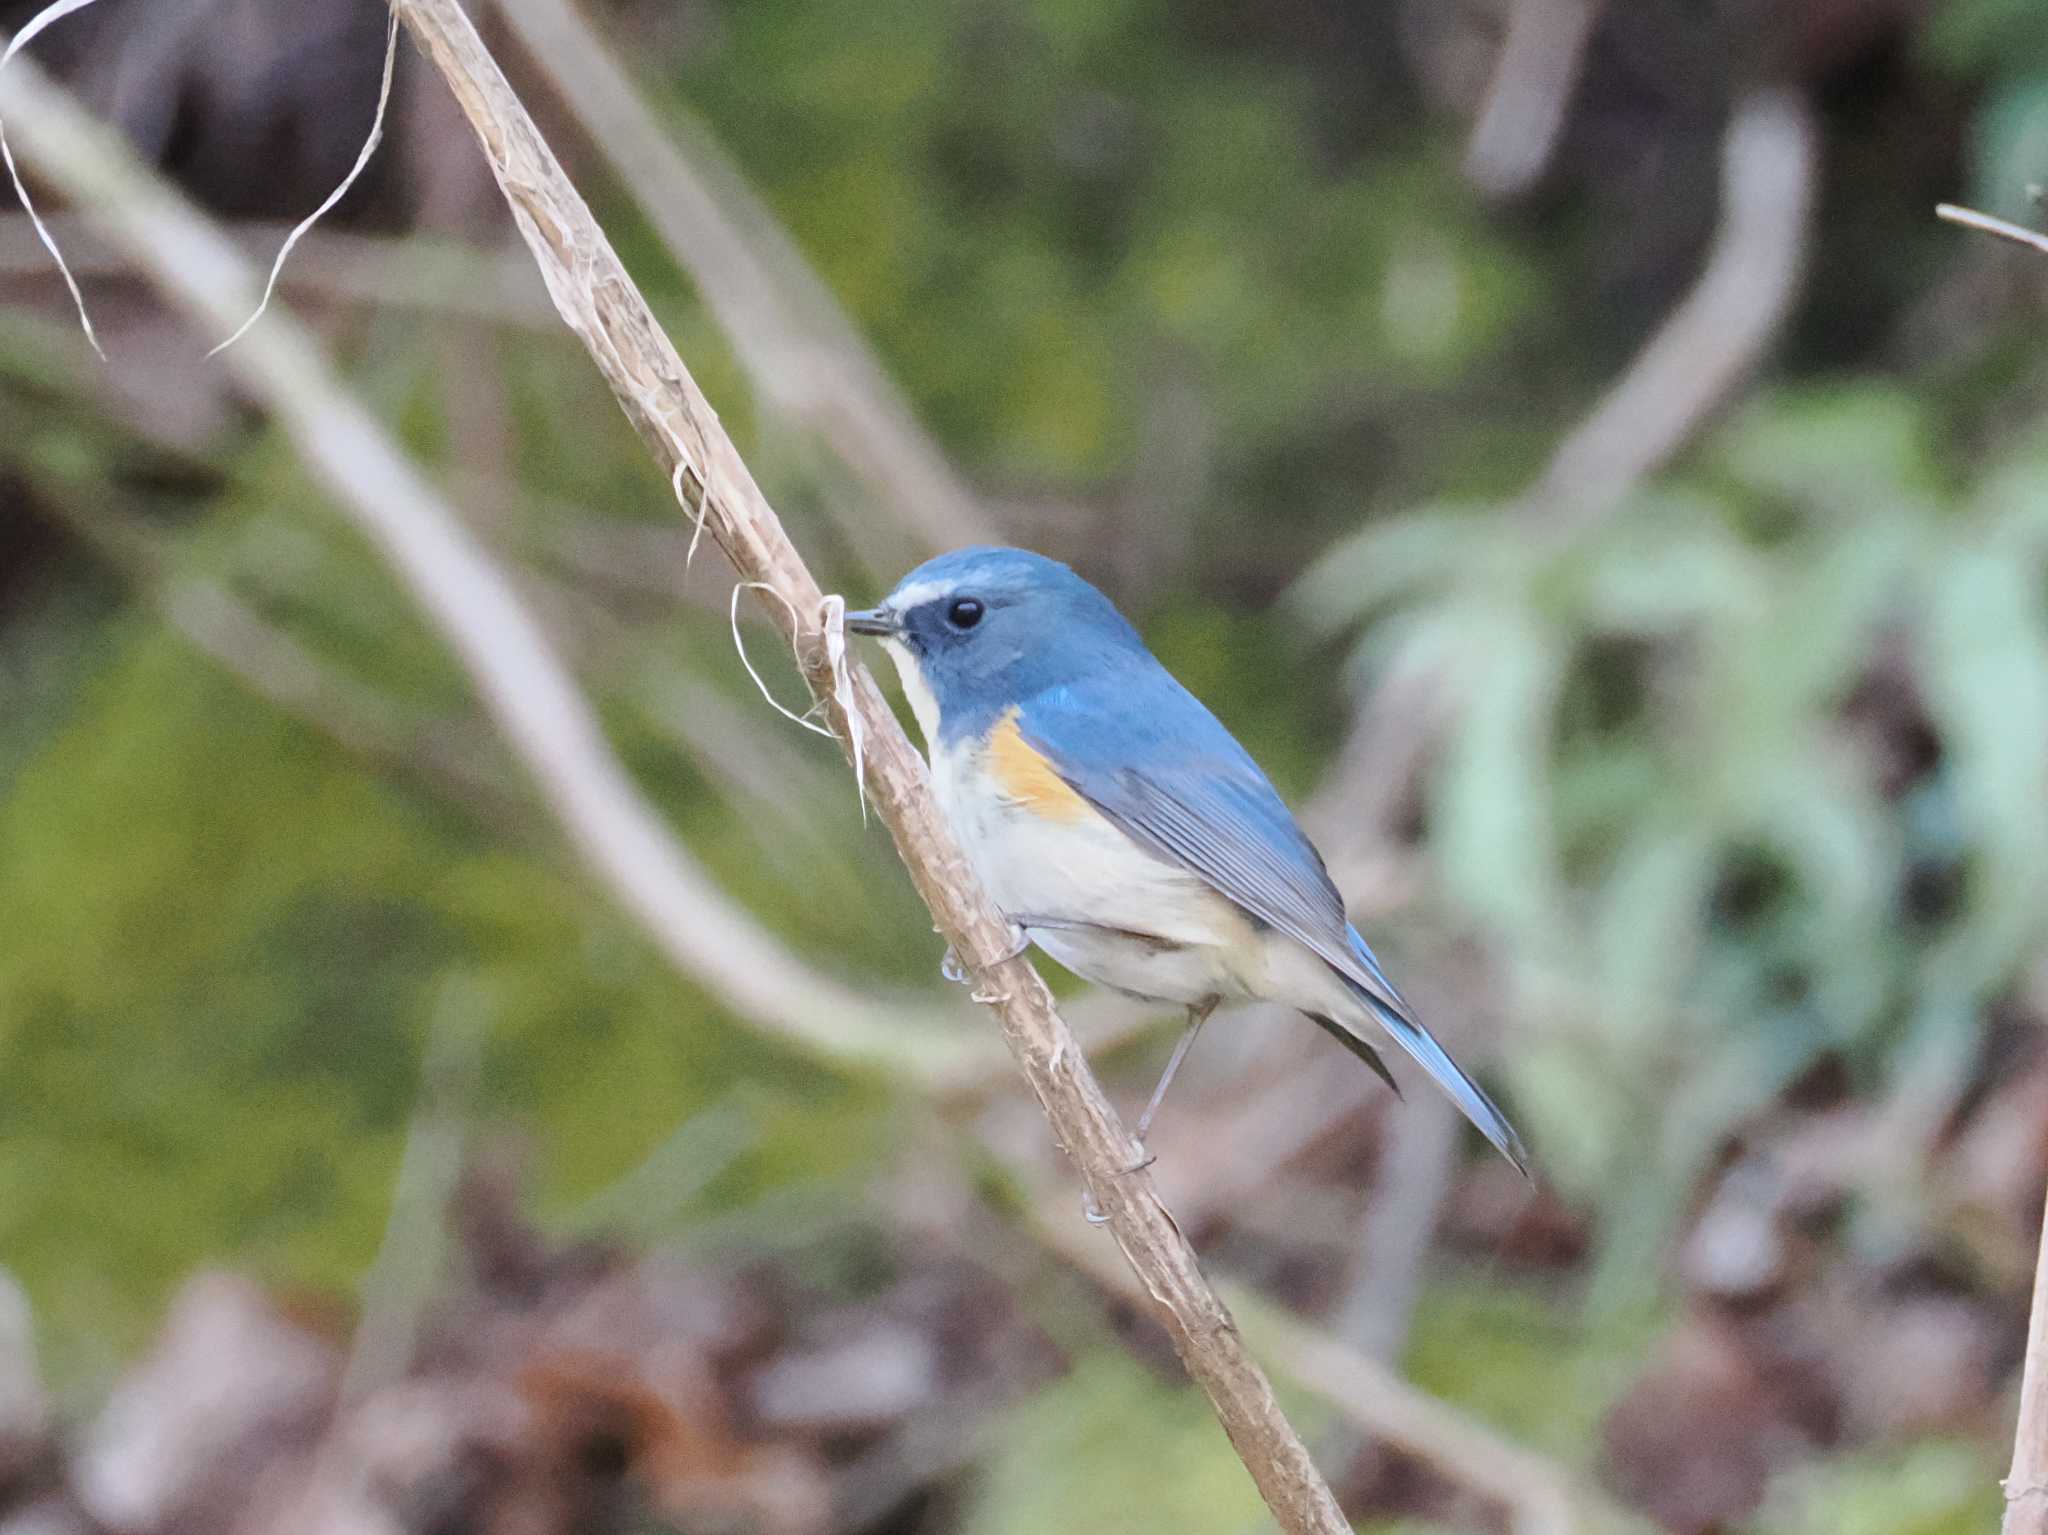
[[965, 612]]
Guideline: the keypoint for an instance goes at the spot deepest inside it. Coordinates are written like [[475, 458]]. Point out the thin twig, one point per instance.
[[1712, 340], [305, 225], [1970, 218], [408, 1267], [1534, 79], [601, 304]]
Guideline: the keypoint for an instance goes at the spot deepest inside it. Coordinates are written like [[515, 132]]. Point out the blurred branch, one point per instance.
[[410, 1260], [1356, 814], [1541, 1497], [1533, 81], [1411, 1179], [1970, 218], [802, 352], [1686, 371], [412, 272], [1697, 358], [601, 304], [2026, 1487], [272, 664], [524, 686], [1711, 341]]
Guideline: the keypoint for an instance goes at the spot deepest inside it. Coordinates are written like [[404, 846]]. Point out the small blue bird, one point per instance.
[[1115, 821]]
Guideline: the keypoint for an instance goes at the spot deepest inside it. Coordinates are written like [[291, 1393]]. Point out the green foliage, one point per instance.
[[1525, 1361], [1099, 205], [223, 940], [1652, 801], [1936, 1487], [1106, 1444]]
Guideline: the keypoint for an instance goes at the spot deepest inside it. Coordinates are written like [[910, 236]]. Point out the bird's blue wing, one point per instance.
[[1151, 757]]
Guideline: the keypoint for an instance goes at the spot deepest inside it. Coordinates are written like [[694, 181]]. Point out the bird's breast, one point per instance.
[[1043, 851]]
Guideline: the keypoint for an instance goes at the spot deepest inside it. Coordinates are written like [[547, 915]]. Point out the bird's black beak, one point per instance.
[[877, 621]]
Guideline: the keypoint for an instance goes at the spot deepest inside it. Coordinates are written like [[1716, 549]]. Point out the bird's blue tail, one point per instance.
[[1412, 1037]]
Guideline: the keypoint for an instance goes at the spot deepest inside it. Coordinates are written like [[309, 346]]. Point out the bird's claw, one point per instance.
[[1090, 1211], [954, 969]]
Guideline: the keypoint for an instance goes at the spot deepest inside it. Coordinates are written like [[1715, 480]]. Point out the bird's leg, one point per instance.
[[1198, 1014]]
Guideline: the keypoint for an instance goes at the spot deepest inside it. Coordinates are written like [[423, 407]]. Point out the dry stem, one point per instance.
[[1716, 336], [601, 304], [1533, 82], [1541, 1497]]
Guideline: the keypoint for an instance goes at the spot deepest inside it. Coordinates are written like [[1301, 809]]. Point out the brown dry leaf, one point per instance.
[[663, 1418]]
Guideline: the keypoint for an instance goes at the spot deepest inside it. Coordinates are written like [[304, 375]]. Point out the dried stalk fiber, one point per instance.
[[601, 304]]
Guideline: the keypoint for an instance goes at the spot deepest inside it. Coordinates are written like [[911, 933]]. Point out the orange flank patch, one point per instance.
[[1026, 778]]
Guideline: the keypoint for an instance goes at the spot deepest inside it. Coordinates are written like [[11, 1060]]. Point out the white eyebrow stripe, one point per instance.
[[904, 598]]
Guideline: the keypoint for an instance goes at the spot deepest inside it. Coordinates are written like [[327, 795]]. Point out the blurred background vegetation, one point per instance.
[[1557, 438]]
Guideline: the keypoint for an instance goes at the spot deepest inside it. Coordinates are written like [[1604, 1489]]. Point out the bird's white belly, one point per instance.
[[1096, 901]]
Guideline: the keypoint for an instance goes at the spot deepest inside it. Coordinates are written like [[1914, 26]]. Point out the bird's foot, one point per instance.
[[954, 969], [1090, 1211]]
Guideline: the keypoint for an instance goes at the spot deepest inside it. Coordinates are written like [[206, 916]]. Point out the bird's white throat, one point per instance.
[[923, 703]]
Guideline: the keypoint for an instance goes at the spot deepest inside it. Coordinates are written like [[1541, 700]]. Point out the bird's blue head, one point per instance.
[[977, 630]]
